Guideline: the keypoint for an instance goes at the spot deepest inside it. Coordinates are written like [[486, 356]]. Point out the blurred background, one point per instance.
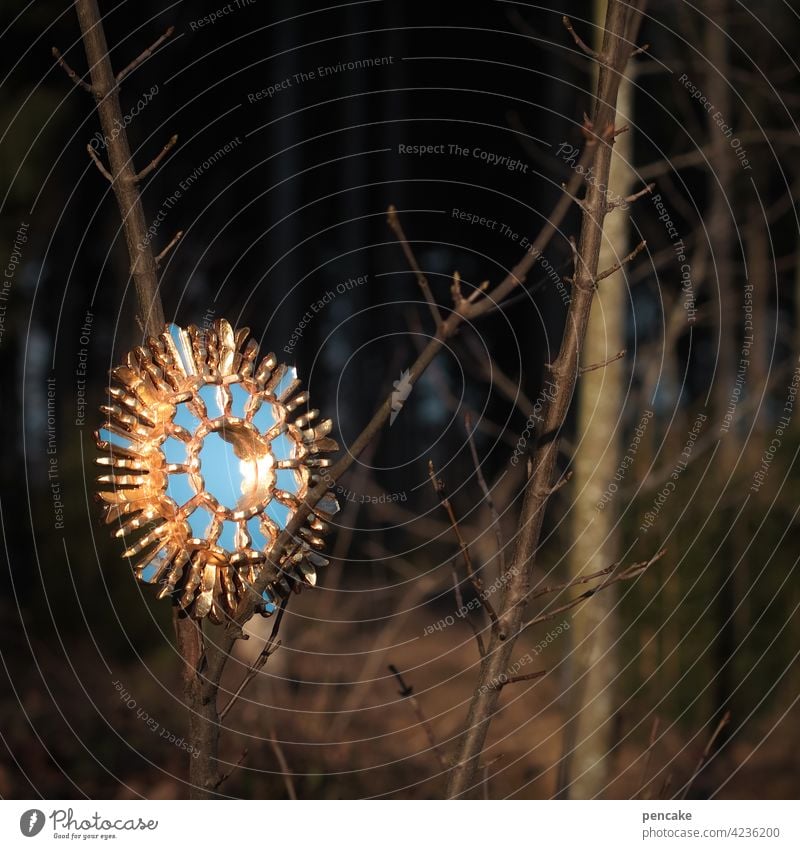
[[298, 125]]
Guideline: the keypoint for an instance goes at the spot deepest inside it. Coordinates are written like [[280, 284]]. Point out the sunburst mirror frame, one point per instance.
[[205, 461]]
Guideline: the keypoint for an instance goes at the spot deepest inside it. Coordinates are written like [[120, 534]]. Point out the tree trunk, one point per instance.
[[592, 662]]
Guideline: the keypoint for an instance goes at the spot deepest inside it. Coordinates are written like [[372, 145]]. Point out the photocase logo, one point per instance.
[[31, 822], [402, 389]]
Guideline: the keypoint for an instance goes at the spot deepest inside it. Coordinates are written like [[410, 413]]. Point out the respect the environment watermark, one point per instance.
[[183, 186], [318, 73]]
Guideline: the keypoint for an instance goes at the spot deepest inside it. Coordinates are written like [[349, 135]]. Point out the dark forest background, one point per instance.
[[296, 207]]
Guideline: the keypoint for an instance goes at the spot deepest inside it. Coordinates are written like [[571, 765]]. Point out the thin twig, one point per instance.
[[70, 73], [156, 161], [145, 54], [487, 495], [477, 583], [626, 575], [578, 40], [397, 228], [172, 242], [460, 603], [632, 198], [581, 281], [407, 693], [288, 778], [579, 202], [583, 579], [721, 725], [233, 769], [516, 679], [478, 291], [99, 163], [560, 483], [270, 647], [594, 366], [459, 301], [617, 265]]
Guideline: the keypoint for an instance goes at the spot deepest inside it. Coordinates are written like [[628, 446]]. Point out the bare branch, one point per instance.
[[629, 199], [104, 88], [270, 647], [70, 73], [721, 725], [477, 583], [397, 228], [594, 366], [580, 42], [145, 54], [225, 776], [563, 481], [575, 199], [99, 163], [617, 265], [460, 302], [581, 281], [172, 242], [641, 193], [288, 778], [148, 169], [516, 679], [460, 606], [407, 693], [582, 579], [487, 495], [477, 292], [626, 575]]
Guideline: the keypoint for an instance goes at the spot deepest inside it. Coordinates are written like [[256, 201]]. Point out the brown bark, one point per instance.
[[124, 185], [143, 269]]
